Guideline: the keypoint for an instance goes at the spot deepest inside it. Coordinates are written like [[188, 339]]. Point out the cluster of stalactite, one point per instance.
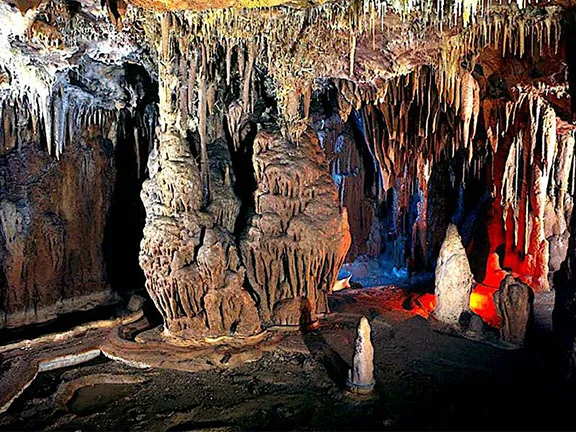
[[66, 98], [405, 131], [533, 175], [70, 115], [413, 122], [260, 37], [38, 45], [441, 12], [53, 212], [322, 33]]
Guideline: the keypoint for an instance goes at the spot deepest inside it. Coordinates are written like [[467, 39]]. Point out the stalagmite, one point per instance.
[[188, 254], [453, 282], [514, 302], [299, 236], [361, 375]]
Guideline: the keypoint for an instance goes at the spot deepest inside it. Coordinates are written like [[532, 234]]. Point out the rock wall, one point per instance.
[[299, 236], [351, 172], [52, 219]]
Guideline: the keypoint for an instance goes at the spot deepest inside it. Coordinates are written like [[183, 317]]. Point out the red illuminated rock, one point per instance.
[[494, 273]]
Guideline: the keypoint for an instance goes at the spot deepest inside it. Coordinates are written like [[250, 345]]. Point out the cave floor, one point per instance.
[[425, 380]]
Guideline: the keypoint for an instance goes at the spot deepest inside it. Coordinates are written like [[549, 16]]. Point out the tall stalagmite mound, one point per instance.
[[299, 236]]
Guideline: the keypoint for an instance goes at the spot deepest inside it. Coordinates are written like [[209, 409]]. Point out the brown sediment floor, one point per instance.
[[425, 380]]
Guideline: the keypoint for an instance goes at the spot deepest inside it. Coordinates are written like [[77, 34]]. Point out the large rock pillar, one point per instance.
[[192, 266], [299, 235]]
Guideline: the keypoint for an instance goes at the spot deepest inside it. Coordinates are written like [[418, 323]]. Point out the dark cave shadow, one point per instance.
[[336, 367], [564, 312], [126, 216], [125, 220]]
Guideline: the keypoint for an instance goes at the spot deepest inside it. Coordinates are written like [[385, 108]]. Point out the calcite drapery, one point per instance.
[[188, 254], [299, 236], [350, 173], [51, 259], [532, 204]]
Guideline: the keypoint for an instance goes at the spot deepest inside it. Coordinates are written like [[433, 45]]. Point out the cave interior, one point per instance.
[[287, 215]]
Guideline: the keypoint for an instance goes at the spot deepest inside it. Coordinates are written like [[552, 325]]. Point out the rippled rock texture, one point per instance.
[[299, 236]]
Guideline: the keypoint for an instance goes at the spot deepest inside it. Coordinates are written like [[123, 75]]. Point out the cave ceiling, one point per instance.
[[76, 51]]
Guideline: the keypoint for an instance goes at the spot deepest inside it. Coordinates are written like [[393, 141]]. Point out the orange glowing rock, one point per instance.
[[482, 297], [427, 303], [494, 273], [482, 303]]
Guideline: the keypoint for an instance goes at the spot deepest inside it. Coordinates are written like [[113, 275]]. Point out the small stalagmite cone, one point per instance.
[[361, 375]]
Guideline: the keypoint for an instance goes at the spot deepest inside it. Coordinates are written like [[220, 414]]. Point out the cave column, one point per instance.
[[192, 267], [299, 235]]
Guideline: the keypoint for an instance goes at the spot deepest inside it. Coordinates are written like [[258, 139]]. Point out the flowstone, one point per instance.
[[298, 237], [193, 270]]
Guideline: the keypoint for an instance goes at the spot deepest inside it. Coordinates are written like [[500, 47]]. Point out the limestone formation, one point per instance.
[[193, 270], [349, 172], [453, 283], [361, 375], [298, 237], [514, 302], [359, 129], [52, 224]]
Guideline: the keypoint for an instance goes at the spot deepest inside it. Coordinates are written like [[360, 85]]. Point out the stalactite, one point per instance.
[[183, 48], [470, 109], [248, 71], [229, 52], [202, 127], [352, 52]]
